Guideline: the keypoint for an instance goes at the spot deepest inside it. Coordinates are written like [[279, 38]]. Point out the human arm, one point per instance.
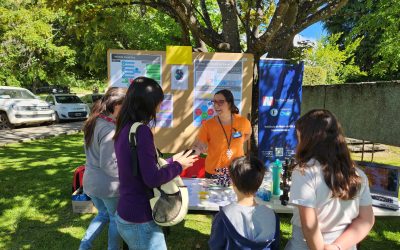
[[107, 159], [303, 196], [356, 231], [199, 147], [310, 227], [200, 144], [146, 152], [362, 224], [276, 244]]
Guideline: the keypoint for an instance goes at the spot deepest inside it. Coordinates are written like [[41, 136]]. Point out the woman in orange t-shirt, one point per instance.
[[223, 136]]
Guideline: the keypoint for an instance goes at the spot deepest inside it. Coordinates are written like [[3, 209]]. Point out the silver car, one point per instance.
[[19, 106], [68, 107]]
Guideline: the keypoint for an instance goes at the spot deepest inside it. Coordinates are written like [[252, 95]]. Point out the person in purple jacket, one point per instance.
[[134, 219]]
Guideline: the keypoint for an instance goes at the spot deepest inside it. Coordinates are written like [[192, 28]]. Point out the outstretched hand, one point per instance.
[[185, 159]]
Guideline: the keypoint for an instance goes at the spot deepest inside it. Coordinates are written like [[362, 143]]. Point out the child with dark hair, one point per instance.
[[245, 224], [330, 195]]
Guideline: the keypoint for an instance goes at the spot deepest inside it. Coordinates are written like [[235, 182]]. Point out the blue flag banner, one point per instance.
[[279, 108]]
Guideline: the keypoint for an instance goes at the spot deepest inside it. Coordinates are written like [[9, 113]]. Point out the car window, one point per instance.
[[68, 99], [17, 93]]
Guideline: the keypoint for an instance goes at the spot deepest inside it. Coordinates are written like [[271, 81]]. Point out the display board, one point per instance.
[[188, 89]]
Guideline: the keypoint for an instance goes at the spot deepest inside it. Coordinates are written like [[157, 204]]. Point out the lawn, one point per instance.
[[36, 213]]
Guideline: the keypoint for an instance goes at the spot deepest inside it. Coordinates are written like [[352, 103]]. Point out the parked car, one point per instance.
[[68, 107], [50, 89], [19, 106], [90, 99]]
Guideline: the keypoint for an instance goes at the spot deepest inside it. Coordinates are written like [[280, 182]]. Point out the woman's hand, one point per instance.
[[177, 156], [186, 160], [331, 247], [199, 147]]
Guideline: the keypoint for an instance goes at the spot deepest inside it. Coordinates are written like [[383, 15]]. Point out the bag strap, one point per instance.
[[133, 147], [134, 156]]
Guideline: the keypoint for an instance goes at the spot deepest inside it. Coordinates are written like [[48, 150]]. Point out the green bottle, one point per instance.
[[276, 177]]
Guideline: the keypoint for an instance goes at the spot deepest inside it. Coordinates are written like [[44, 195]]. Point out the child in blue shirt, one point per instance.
[[245, 224]]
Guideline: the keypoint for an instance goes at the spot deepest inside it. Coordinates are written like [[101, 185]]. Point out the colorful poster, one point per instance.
[[210, 77], [124, 68], [164, 116], [179, 77], [279, 108]]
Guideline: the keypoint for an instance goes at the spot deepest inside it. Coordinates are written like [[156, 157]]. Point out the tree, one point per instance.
[[376, 21], [93, 30], [266, 26], [251, 26], [28, 53], [337, 63]]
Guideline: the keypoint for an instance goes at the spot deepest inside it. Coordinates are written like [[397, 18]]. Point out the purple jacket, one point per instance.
[[134, 205]]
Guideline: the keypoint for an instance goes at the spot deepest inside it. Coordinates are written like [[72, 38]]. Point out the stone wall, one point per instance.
[[368, 111]]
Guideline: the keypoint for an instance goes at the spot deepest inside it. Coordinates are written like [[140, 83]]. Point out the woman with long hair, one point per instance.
[[100, 179], [134, 217], [223, 136], [331, 198]]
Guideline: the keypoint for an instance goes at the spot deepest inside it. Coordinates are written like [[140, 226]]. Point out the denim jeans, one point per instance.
[[106, 214], [141, 236]]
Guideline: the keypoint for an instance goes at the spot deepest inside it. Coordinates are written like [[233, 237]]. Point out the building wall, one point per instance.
[[368, 111]]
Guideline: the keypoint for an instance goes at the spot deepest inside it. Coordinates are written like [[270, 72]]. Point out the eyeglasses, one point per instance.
[[218, 102]]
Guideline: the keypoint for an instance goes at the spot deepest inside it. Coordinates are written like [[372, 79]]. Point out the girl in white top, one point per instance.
[[331, 198]]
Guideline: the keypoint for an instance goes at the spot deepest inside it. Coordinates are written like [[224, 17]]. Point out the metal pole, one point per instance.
[[373, 150], [362, 151]]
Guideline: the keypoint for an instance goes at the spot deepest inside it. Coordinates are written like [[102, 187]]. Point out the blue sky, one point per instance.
[[313, 32]]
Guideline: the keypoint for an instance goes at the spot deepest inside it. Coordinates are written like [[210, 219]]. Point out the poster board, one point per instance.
[[181, 132], [280, 94]]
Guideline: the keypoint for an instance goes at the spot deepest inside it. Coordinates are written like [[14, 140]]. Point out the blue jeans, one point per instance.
[[141, 236], [106, 214]]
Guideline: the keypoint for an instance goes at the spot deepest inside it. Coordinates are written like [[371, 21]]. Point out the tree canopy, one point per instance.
[[377, 23], [258, 27], [334, 64], [29, 52]]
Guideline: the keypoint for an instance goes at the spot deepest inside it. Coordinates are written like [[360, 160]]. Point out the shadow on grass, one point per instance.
[[35, 200], [36, 212], [185, 235]]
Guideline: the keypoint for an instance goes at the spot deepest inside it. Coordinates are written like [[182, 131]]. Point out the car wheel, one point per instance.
[[4, 122], [57, 118]]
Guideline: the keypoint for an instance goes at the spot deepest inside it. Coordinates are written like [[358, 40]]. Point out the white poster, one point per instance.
[[124, 68], [179, 77], [209, 78], [164, 116]]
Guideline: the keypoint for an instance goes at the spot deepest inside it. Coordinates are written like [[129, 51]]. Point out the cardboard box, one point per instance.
[[82, 206]]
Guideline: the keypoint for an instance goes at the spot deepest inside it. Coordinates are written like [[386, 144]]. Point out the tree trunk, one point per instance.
[[230, 30]]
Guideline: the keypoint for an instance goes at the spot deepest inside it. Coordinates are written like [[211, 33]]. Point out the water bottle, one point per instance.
[[276, 177]]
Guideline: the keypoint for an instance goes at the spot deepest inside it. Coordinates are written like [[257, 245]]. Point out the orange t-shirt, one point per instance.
[[211, 133]]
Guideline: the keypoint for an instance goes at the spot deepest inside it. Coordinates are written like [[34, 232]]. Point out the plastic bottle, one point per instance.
[[276, 177]]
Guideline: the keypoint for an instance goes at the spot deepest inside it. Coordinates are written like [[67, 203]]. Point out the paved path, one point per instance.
[[38, 132]]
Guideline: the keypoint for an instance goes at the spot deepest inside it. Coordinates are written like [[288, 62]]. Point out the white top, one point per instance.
[[334, 215]]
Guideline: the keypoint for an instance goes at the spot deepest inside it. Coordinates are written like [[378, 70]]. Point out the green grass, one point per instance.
[[36, 212]]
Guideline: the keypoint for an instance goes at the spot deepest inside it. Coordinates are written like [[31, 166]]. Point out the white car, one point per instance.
[[68, 107], [20, 106]]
